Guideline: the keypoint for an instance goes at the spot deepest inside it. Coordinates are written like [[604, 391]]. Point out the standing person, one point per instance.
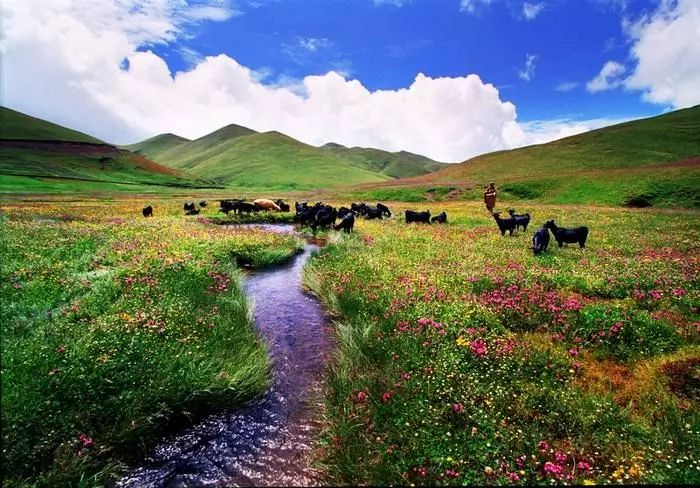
[[490, 197]]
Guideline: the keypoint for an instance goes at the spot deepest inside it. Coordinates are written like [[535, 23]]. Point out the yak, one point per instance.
[[413, 216]]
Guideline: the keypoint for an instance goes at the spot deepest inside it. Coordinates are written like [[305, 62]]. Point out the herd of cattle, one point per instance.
[[320, 215]]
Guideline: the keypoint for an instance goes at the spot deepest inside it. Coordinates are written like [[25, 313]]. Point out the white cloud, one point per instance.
[[610, 77], [528, 72], [665, 47], [542, 131], [566, 86], [532, 10], [470, 6]]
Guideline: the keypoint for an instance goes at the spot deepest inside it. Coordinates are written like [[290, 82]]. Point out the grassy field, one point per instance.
[[16, 125], [116, 328], [464, 359], [655, 159]]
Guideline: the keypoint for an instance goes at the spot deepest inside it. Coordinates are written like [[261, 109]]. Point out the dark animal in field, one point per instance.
[[419, 217], [347, 224], [193, 211], [307, 215], [245, 207], [440, 218], [359, 208], [521, 220], [384, 210], [505, 224], [203, 203], [568, 236], [343, 211], [284, 207], [147, 211], [372, 213], [300, 206], [325, 218], [266, 204], [229, 205], [188, 206], [540, 241]]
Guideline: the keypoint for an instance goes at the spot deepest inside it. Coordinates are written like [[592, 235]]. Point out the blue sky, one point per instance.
[[385, 44], [449, 79]]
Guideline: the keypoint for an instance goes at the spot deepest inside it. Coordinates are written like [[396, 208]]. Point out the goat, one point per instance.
[[347, 224], [521, 220], [504, 224], [540, 241], [413, 216], [440, 218], [568, 236]]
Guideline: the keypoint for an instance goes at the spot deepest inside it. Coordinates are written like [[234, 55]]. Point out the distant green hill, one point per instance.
[[34, 153], [16, 125], [238, 156], [655, 159]]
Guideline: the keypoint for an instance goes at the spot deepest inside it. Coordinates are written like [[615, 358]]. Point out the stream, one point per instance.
[[267, 442]]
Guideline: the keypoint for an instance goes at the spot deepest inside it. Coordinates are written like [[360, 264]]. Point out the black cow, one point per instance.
[[419, 217], [324, 218], [283, 206], [188, 206], [193, 211], [147, 211], [540, 241], [440, 218], [246, 207], [505, 224], [568, 236], [347, 224], [521, 220], [229, 205], [343, 211], [359, 208], [372, 213], [307, 215], [384, 210], [203, 203]]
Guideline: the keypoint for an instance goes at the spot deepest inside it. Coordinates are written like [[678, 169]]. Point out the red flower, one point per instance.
[[386, 397]]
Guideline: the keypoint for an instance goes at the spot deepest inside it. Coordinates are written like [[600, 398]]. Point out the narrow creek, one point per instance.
[[268, 442]]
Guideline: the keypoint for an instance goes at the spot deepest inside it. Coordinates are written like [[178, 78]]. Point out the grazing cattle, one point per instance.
[[384, 210], [147, 211], [229, 205], [324, 218], [300, 206], [265, 204], [521, 220], [419, 217], [568, 236], [193, 211], [347, 224], [359, 208], [284, 207], [505, 224], [188, 206], [245, 207], [203, 203], [343, 211], [372, 213], [540, 241], [440, 218], [307, 215]]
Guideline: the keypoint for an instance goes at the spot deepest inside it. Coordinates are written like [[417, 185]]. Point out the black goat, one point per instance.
[[372, 213], [540, 241], [505, 224], [419, 217], [147, 211], [188, 206], [347, 224], [440, 218], [324, 218], [568, 236], [521, 220], [343, 211], [193, 211], [284, 207], [203, 203], [384, 210]]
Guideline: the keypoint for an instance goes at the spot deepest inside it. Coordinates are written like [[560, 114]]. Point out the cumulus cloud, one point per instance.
[[610, 77], [532, 10], [528, 72], [665, 48]]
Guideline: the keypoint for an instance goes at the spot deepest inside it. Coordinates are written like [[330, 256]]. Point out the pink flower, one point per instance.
[[543, 446], [560, 457], [584, 466], [553, 470], [85, 440], [386, 397], [513, 477], [361, 396], [478, 347], [574, 351], [451, 473], [457, 408]]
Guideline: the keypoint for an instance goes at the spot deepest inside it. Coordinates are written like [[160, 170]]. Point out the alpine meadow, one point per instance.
[[373, 243]]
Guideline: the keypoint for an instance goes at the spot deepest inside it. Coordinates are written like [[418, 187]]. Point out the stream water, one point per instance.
[[268, 442]]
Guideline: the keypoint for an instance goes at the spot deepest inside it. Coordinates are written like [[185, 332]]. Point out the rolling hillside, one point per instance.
[[34, 152], [238, 156], [655, 159]]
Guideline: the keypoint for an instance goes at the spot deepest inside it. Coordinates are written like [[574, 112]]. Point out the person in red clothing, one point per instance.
[[490, 197]]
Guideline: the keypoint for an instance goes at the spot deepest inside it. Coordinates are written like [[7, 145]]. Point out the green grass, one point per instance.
[[155, 147], [464, 359], [16, 125], [114, 329], [396, 165]]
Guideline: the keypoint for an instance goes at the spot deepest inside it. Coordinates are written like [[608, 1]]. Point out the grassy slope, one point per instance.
[[34, 154], [16, 125], [155, 147], [270, 159], [400, 164], [651, 157]]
